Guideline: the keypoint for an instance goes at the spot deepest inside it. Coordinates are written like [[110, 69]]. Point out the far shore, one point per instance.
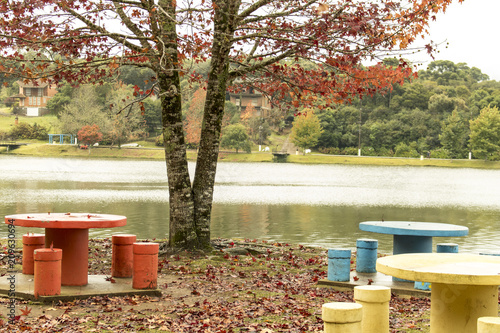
[[148, 153]]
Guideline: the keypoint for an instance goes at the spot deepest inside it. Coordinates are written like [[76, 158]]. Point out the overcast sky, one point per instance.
[[472, 30]]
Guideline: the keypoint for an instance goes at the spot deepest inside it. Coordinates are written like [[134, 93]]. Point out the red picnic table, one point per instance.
[[69, 232]]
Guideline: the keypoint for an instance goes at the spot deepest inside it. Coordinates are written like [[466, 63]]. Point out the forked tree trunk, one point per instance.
[[191, 206], [206, 164]]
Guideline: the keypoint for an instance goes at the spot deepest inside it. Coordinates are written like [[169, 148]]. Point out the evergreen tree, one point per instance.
[[306, 130], [485, 134], [454, 136], [235, 137]]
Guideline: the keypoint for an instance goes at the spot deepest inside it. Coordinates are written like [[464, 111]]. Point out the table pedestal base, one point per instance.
[[75, 253], [456, 308], [411, 244]]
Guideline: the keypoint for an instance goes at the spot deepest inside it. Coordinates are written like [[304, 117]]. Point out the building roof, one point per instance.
[[19, 96], [33, 84]]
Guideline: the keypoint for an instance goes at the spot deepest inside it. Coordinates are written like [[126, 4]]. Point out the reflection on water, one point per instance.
[[309, 204]]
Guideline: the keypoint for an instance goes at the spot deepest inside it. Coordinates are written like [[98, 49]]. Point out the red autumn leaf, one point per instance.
[[110, 279], [26, 311]]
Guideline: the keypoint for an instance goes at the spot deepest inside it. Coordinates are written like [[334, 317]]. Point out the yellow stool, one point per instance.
[[375, 302], [341, 317]]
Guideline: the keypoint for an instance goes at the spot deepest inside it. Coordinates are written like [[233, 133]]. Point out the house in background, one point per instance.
[[251, 97], [33, 97]]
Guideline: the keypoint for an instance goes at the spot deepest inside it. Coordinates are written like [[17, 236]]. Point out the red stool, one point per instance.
[[145, 265], [31, 242], [47, 272], [123, 255]]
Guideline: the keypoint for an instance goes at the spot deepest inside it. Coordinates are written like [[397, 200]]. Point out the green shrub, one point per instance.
[[350, 151], [368, 151], [495, 156], [236, 137], [159, 141], [27, 131], [403, 150], [329, 150], [385, 152], [440, 153]]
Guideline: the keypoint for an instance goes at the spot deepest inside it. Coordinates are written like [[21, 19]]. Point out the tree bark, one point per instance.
[[206, 165], [191, 206], [182, 233]]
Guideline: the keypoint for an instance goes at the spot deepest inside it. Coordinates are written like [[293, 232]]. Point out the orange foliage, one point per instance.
[[338, 35], [247, 114], [194, 116]]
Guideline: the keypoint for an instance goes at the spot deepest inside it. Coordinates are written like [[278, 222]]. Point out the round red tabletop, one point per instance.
[[66, 220]]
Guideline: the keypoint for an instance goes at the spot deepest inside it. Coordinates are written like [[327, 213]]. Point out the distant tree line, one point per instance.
[[443, 113], [447, 112]]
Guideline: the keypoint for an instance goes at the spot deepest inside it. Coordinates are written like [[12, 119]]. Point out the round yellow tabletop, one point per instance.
[[447, 268], [464, 287]]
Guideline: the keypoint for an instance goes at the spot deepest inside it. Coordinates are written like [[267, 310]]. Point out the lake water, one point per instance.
[[319, 205]]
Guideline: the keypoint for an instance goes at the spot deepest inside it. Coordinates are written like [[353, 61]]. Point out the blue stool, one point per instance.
[[366, 257], [339, 265], [447, 248]]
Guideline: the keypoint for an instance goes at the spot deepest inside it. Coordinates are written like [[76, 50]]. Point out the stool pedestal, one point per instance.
[[145, 265], [339, 265], [375, 302], [342, 317], [366, 255], [122, 255], [31, 242], [47, 272]]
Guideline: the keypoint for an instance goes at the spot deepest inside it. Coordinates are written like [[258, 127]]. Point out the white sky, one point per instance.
[[472, 30]]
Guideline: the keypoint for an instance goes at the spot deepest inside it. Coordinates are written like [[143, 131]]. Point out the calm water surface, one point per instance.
[[318, 205]]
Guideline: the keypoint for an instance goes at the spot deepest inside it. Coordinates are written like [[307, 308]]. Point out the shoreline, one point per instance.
[[148, 153]]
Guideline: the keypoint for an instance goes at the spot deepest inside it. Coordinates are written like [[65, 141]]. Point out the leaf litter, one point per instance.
[[241, 286]]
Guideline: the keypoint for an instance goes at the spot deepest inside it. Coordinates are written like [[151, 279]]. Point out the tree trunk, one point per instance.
[[206, 164], [191, 206], [181, 228], [182, 233]]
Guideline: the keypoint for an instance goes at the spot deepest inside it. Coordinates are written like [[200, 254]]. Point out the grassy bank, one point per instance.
[[55, 150], [49, 121]]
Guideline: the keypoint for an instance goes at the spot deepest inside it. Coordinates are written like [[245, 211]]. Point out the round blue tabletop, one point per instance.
[[409, 228]]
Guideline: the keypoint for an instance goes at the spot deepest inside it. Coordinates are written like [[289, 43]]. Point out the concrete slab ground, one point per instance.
[[377, 279], [98, 285]]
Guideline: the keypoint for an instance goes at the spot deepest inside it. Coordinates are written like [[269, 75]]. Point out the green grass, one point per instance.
[[384, 161], [55, 150], [244, 157], [49, 121], [355, 160]]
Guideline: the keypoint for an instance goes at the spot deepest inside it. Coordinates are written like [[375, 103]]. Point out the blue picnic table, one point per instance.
[[414, 237]]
